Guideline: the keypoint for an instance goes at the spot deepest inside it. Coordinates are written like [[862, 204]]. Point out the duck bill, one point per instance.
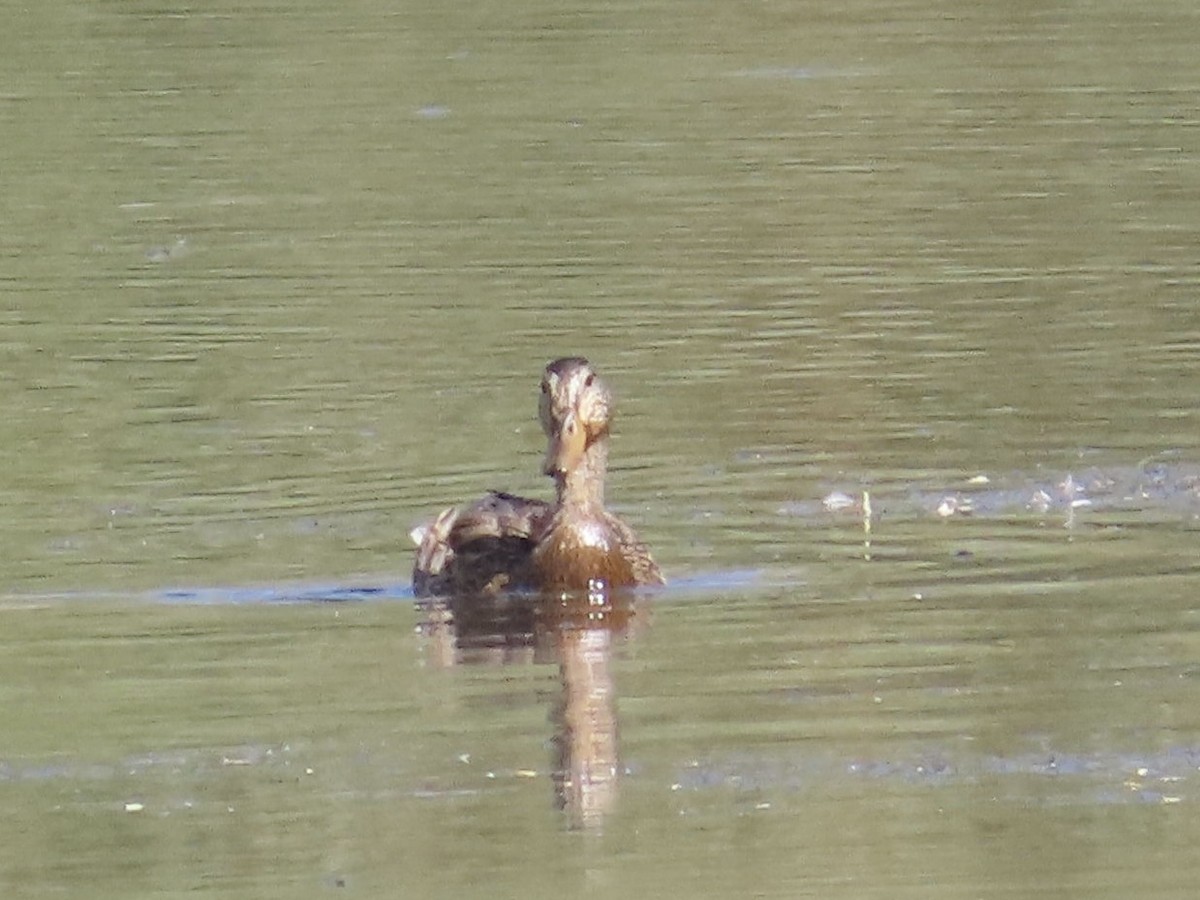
[[566, 448]]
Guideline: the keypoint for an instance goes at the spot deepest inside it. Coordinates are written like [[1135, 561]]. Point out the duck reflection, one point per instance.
[[586, 758], [577, 632]]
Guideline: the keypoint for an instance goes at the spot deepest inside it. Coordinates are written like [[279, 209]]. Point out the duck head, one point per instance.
[[575, 410]]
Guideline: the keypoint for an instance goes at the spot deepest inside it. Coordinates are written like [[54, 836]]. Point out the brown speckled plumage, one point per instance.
[[478, 549], [506, 542]]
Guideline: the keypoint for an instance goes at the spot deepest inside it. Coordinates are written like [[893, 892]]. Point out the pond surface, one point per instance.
[[899, 301]]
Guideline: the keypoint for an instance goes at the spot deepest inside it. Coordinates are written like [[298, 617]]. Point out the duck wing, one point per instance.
[[645, 569], [478, 549]]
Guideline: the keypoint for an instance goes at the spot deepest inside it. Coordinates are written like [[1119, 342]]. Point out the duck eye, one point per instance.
[[587, 382]]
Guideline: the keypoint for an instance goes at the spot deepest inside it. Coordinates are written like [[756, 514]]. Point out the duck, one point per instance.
[[503, 542]]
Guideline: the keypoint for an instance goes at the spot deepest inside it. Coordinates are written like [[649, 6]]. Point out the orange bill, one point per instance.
[[566, 447]]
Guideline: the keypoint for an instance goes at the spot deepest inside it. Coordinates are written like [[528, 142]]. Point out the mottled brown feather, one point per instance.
[[481, 548]]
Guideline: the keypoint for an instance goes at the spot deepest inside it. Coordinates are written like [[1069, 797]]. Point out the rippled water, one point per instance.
[[280, 283]]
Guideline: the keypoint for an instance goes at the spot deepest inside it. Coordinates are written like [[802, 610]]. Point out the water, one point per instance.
[[279, 284]]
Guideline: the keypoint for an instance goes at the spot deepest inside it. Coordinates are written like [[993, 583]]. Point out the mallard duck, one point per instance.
[[506, 542]]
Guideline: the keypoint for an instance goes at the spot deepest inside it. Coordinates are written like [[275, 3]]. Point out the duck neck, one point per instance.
[[583, 487]]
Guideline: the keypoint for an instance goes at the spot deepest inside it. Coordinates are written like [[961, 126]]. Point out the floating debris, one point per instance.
[[1144, 490], [433, 111], [838, 502], [1039, 502], [161, 253], [954, 505]]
